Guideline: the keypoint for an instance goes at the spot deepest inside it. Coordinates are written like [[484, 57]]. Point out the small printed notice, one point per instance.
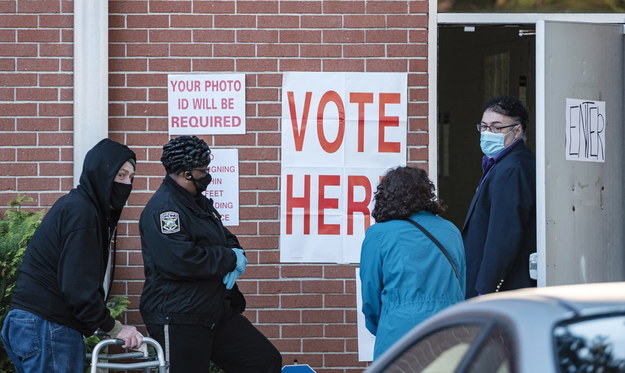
[[585, 130], [206, 104], [224, 189]]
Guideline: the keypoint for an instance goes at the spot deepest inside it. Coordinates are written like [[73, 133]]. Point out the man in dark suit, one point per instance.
[[499, 231]]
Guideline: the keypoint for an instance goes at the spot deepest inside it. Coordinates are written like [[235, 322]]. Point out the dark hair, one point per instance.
[[185, 153], [402, 192], [508, 106]]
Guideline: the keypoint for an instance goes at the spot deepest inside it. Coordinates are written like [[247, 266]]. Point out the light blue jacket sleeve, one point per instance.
[[371, 279]]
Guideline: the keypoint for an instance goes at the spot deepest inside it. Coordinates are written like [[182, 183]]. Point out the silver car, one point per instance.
[[572, 328]]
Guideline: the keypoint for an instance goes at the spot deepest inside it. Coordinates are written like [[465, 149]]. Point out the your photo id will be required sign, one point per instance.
[[206, 104]]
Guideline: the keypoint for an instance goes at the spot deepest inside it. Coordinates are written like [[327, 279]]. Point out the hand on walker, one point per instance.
[[131, 336]]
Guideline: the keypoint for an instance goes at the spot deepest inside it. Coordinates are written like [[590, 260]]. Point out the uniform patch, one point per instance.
[[170, 222]]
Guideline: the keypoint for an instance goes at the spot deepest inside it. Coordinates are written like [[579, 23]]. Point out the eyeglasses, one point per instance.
[[494, 129]]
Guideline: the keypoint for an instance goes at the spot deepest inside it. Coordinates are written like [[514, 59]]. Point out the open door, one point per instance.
[[580, 203]]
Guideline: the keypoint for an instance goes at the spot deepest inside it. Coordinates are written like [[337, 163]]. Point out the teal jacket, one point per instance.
[[406, 278]]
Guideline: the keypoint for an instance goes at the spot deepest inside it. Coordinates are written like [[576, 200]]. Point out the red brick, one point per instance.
[[170, 64], [301, 64], [258, 64], [214, 36], [55, 139], [128, 36], [180, 6], [302, 331], [36, 94], [55, 169], [257, 6], [235, 21], [34, 36], [8, 35], [322, 316], [38, 6], [125, 6], [37, 64], [300, 7], [323, 345], [365, 21], [148, 21], [387, 6], [300, 36], [357, 65], [343, 7], [214, 7], [37, 124], [234, 50], [128, 64], [257, 36], [56, 109], [321, 21], [387, 36], [7, 64], [56, 50], [321, 51], [191, 21], [7, 94], [387, 65], [55, 21], [14, 109], [343, 36], [18, 50], [37, 184], [278, 21]]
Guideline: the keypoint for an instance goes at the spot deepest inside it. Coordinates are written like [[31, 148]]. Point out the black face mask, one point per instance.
[[119, 195], [202, 184]]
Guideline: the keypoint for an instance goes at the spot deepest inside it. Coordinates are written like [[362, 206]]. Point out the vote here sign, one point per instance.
[[340, 133], [206, 104]]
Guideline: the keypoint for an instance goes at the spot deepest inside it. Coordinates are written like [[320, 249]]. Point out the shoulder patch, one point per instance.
[[170, 222]]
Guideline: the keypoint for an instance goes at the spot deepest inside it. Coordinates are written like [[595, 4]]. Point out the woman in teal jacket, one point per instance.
[[405, 276]]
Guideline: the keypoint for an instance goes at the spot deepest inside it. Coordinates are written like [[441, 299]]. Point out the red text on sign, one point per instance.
[[325, 204]]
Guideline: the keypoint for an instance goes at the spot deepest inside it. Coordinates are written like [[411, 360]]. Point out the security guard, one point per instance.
[[190, 301]]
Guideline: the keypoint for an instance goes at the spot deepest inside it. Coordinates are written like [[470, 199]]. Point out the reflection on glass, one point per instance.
[[594, 345], [532, 6]]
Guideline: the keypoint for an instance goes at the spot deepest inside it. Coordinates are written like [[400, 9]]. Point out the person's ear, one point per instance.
[[188, 175]]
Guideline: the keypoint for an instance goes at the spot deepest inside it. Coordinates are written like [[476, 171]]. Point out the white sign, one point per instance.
[[224, 189], [366, 340], [340, 133], [585, 130], [206, 104]]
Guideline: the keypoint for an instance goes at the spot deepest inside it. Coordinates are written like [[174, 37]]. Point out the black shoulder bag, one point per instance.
[[440, 246]]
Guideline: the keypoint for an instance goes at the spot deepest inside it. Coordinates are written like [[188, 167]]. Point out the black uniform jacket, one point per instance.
[[61, 276], [186, 253], [499, 232]]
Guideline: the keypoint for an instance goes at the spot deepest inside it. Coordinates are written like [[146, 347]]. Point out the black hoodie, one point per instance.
[[63, 269]]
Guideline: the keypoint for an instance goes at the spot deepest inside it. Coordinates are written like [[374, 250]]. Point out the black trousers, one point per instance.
[[235, 346]]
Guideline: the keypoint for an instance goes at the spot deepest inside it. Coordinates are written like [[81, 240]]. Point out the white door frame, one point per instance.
[[437, 19]]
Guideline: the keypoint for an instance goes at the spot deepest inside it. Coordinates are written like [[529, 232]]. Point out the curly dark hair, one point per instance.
[[402, 192], [510, 107], [185, 153]]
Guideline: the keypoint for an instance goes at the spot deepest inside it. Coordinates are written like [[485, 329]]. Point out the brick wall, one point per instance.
[[307, 310]]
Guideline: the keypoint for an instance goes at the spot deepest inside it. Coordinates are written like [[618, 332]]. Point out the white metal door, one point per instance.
[[580, 203]]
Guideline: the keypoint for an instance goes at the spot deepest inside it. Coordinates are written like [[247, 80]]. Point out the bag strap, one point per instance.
[[440, 246]]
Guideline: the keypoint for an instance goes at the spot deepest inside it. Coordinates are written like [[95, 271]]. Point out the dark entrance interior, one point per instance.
[[475, 63]]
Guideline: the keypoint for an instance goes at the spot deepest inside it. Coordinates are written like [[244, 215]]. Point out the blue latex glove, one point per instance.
[[231, 277], [241, 260]]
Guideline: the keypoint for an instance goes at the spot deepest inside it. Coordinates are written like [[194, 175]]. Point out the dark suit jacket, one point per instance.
[[499, 231]]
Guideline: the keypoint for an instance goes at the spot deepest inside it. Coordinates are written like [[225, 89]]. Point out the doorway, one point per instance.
[[475, 63]]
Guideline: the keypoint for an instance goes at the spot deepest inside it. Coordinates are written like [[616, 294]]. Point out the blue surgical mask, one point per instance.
[[492, 143]]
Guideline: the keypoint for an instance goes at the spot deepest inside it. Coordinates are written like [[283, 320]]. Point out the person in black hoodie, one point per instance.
[[59, 296], [190, 302]]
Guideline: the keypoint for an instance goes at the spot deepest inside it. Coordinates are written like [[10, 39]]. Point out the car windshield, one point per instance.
[[591, 345]]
